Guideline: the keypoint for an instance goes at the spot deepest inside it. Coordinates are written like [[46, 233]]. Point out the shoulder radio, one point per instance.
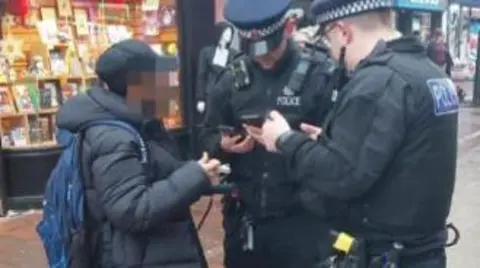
[[240, 73]]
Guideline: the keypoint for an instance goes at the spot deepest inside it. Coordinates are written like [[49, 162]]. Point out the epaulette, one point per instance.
[[239, 56], [239, 69], [227, 69], [300, 73]]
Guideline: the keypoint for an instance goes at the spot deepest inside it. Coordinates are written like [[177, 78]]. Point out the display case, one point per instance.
[[48, 54], [419, 16]]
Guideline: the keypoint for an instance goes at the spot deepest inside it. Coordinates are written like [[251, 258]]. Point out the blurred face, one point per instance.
[[146, 92], [269, 60], [440, 37]]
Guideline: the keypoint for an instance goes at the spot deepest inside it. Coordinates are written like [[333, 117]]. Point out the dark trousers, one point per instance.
[[435, 259], [297, 241], [431, 259]]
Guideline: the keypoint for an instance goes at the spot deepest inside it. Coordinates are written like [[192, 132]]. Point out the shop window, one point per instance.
[[49, 55]]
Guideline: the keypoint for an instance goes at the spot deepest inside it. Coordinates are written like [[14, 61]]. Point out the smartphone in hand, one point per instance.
[[255, 120], [228, 130]]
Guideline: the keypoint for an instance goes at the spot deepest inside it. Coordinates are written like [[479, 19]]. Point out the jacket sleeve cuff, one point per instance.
[[288, 143]]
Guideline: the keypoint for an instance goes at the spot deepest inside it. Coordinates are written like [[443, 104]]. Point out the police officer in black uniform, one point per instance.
[[387, 151], [264, 222]]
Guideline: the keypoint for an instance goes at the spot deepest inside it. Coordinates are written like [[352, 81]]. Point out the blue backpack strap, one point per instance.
[[144, 159]]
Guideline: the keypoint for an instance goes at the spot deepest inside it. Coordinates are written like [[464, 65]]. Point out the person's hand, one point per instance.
[[234, 145], [274, 126], [255, 133], [211, 167], [312, 131]]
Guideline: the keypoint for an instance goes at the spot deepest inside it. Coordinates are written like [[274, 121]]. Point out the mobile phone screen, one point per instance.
[[255, 120], [229, 130]]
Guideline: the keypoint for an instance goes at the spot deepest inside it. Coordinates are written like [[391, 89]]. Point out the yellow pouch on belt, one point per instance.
[[344, 243]]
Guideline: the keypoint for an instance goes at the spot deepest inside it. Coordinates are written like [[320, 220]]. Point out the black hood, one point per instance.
[[381, 52], [128, 57], [100, 104], [408, 44], [96, 104]]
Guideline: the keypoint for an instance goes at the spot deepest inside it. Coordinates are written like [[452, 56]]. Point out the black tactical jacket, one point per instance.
[[388, 149], [264, 179]]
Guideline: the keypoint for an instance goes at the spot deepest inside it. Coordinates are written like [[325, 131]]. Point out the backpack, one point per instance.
[[63, 227]]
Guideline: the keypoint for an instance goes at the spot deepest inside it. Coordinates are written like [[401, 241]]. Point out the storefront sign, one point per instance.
[[468, 3], [427, 5]]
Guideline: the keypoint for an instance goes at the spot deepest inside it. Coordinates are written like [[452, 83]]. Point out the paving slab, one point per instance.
[[21, 248]]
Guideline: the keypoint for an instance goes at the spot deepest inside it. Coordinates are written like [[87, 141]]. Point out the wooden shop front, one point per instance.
[[48, 52]]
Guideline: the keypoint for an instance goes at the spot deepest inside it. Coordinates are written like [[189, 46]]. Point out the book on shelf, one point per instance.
[[57, 62], [26, 96], [34, 95], [45, 98], [18, 136], [53, 128], [6, 102], [167, 16], [48, 95], [75, 67], [44, 125], [39, 129], [7, 140], [34, 130]]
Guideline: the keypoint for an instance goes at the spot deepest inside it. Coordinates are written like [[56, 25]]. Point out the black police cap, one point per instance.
[[260, 23], [331, 10]]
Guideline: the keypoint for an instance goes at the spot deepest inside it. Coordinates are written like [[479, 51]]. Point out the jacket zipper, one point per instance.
[[263, 193]]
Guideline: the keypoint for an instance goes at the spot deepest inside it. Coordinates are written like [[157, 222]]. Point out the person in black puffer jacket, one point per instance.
[[137, 216]]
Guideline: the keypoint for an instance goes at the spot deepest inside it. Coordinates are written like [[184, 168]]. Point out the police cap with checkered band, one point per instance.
[[326, 11], [260, 23]]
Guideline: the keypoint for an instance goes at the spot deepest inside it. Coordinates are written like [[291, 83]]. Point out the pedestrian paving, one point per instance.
[[20, 247], [19, 244], [465, 214]]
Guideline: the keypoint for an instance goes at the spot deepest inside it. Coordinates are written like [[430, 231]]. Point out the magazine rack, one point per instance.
[[52, 56]]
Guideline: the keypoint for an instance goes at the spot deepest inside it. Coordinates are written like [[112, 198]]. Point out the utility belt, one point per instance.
[[234, 205], [236, 210], [356, 252]]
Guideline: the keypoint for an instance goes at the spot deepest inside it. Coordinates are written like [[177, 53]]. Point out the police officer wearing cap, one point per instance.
[[265, 224], [388, 149]]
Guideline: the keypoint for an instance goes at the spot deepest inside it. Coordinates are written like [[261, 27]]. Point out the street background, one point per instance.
[[20, 247]]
